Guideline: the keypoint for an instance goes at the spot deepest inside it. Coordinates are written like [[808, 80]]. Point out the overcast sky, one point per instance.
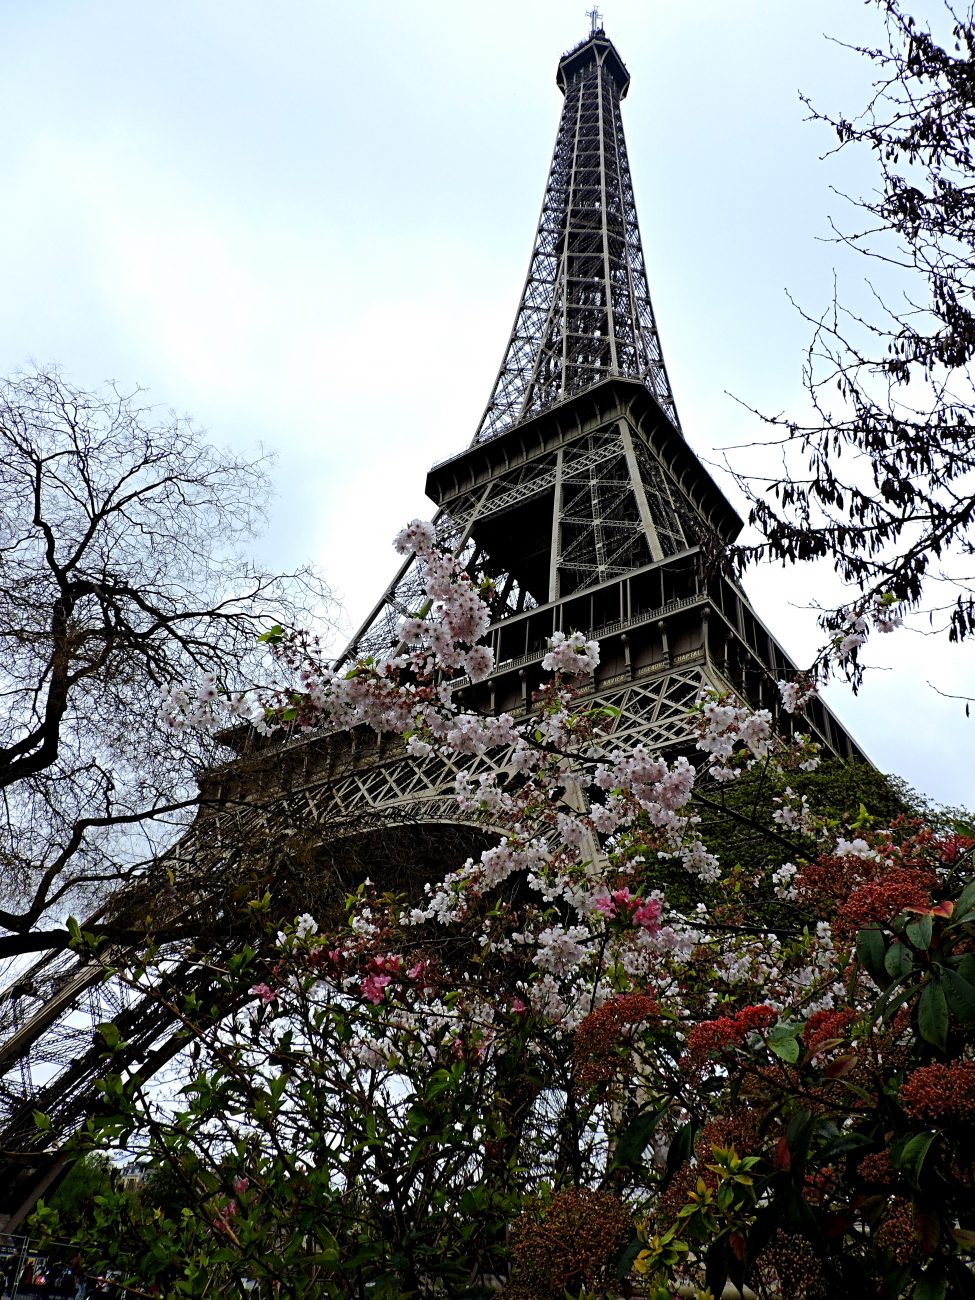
[[307, 224]]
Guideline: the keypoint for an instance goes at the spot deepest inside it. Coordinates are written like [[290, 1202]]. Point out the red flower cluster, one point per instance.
[[941, 1094], [825, 1026], [599, 1037], [876, 1168], [954, 847], [880, 901], [870, 891], [729, 1031]]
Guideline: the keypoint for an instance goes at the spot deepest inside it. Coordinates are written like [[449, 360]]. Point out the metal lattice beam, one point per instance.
[[585, 312]]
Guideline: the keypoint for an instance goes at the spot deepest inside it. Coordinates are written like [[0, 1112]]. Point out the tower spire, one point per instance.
[[585, 313]]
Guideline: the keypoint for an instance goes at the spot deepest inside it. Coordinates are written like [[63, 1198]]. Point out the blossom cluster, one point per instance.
[[566, 904], [733, 735], [941, 1093], [717, 1036], [572, 655]]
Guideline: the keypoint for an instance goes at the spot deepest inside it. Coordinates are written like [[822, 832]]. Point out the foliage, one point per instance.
[[121, 571], [768, 1081], [880, 478], [87, 1179]]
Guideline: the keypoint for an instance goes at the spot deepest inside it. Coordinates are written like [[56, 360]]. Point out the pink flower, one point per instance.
[[518, 1007], [264, 992], [619, 903], [241, 1185], [372, 987], [648, 915], [389, 962]]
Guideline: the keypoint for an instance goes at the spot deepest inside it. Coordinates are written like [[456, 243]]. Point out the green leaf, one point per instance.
[[799, 1134], [932, 1286], [870, 953], [440, 1081], [417, 1118], [680, 1148], [919, 933], [932, 1014], [894, 997], [272, 636], [910, 1158], [42, 1122], [785, 1029], [959, 995], [965, 903], [634, 1141], [624, 1260], [783, 1039], [899, 960], [715, 1267], [787, 1049], [843, 1143], [109, 1034]]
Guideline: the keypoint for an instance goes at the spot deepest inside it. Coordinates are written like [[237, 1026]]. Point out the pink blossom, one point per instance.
[[573, 654], [372, 987], [648, 915], [390, 961], [264, 992]]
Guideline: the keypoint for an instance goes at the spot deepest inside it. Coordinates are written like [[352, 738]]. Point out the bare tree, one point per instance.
[[121, 572], [881, 479]]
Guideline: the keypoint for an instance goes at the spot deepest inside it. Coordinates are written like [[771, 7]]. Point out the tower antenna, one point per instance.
[[596, 19]]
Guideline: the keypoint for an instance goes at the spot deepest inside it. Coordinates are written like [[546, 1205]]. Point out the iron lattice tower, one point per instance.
[[585, 312], [581, 499]]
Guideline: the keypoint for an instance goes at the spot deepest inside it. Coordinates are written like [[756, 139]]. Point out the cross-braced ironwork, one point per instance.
[[581, 500], [585, 312]]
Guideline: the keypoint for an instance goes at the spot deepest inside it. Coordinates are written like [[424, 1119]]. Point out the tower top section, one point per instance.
[[585, 314], [596, 48]]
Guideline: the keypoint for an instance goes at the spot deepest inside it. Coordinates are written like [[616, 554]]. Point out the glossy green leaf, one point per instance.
[[899, 960], [959, 995], [624, 1261], [932, 1014], [787, 1049], [911, 1157], [870, 953], [681, 1147], [965, 904], [919, 933], [635, 1139], [799, 1134]]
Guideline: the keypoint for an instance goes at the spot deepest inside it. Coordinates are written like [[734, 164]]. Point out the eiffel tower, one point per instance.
[[580, 498]]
